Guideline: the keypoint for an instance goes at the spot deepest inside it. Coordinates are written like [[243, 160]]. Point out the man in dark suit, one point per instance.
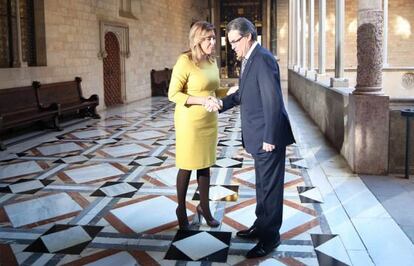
[[266, 131]]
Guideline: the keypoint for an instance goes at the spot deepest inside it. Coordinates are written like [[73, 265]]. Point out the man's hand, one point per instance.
[[212, 104], [232, 90], [268, 147]]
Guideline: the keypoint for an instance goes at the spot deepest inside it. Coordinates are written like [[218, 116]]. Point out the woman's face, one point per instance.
[[209, 43]]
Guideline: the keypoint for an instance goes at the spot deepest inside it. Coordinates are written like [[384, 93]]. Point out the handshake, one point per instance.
[[212, 104]]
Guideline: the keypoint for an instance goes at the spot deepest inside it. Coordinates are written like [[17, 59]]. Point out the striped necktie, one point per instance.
[[243, 65]]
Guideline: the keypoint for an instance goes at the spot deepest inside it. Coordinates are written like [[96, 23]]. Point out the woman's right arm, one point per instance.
[[178, 81]]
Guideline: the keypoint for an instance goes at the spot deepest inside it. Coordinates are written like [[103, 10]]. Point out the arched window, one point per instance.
[[22, 36]]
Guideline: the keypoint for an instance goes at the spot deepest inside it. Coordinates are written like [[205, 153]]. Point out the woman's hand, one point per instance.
[[212, 104]]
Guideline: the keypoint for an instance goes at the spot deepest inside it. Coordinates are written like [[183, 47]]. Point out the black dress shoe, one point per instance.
[[250, 233], [262, 249]]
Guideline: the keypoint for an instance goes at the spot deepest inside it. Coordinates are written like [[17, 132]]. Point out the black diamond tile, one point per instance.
[[8, 190], [304, 199], [174, 253], [39, 246], [100, 193]]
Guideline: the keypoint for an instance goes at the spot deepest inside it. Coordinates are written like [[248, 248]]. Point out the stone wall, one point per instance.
[[157, 36], [326, 106]]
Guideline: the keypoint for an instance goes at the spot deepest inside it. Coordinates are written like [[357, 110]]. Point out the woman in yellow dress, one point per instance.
[[194, 79]]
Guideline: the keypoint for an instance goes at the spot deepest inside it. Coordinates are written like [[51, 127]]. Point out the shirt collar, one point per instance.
[[251, 50]]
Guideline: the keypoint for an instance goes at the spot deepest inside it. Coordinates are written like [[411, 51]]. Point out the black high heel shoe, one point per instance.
[[182, 219], [212, 223]]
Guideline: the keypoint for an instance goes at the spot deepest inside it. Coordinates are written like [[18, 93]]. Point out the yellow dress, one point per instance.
[[195, 128]]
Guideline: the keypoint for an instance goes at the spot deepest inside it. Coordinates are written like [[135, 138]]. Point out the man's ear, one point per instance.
[[249, 37]]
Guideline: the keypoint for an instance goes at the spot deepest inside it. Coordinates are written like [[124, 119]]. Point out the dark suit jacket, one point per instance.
[[263, 114]]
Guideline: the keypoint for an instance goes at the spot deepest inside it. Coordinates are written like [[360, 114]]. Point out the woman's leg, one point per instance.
[[203, 179], [183, 179]]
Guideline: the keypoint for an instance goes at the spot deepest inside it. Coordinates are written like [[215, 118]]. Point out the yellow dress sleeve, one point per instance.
[[179, 77]]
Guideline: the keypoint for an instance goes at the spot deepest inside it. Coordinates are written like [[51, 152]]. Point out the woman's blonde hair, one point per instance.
[[198, 32]]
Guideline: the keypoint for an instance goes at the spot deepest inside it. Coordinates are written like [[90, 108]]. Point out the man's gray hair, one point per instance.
[[244, 26]]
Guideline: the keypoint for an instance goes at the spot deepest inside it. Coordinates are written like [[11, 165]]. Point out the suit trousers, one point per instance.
[[270, 175]]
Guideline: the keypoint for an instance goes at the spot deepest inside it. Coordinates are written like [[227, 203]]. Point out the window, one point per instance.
[[125, 9], [22, 41]]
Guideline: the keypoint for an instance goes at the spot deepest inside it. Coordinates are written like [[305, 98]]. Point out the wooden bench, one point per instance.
[[68, 96], [160, 80], [19, 106]]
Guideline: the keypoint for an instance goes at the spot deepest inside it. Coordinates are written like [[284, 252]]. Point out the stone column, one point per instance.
[[310, 73], [297, 38], [303, 31], [385, 46], [369, 47], [322, 41], [290, 46], [367, 128], [339, 80]]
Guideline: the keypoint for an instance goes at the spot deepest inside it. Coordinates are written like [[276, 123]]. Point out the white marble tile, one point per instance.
[[114, 122], [231, 143], [90, 133], [219, 192], [118, 189], [248, 176], [227, 162], [339, 223], [59, 148], [143, 135], [356, 198], [335, 249], [66, 238], [120, 259], [40, 209], [74, 159], [271, 262], [167, 142], [167, 176], [132, 215], [93, 172], [148, 161], [17, 169], [106, 141], [360, 257], [292, 218], [25, 186], [190, 246], [161, 124], [124, 150], [301, 163], [245, 216], [385, 241], [313, 193], [290, 177]]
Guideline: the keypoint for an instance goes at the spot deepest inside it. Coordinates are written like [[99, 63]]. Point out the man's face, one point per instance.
[[240, 44]]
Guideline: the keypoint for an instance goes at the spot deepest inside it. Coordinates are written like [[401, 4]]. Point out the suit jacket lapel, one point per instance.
[[247, 68]]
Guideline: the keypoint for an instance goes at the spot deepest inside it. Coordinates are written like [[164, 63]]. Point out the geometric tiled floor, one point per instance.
[[102, 192]]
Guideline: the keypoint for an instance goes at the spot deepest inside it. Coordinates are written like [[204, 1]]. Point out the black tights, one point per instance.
[[203, 180]]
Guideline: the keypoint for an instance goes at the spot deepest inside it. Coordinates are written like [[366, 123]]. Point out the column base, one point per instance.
[[367, 134], [360, 90], [302, 71], [339, 82], [310, 74], [321, 77], [296, 68]]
